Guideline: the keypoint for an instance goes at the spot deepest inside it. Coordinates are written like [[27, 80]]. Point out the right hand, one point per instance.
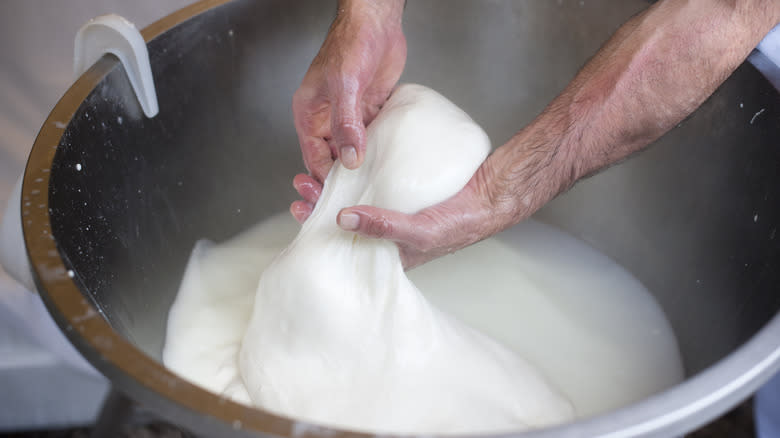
[[349, 80], [510, 185]]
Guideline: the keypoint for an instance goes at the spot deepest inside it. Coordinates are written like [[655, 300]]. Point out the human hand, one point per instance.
[[348, 81], [510, 185]]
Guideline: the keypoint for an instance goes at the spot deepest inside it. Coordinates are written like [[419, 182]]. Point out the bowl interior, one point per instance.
[[694, 218]]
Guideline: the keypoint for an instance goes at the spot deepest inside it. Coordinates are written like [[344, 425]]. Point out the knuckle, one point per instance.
[[311, 145], [349, 125], [379, 227], [348, 131]]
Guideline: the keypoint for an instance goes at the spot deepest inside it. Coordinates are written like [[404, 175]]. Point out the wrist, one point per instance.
[[533, 167], [386, 13]]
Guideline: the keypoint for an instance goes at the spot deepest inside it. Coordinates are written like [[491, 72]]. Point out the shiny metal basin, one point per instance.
[[694, 218]]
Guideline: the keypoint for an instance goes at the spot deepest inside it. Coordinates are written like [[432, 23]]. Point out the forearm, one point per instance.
[[658, 68]]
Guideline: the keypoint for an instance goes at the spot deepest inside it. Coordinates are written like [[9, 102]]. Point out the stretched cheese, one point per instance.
[[340, 336]]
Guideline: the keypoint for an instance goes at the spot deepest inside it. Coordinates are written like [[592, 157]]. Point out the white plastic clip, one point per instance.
[[114, 34]]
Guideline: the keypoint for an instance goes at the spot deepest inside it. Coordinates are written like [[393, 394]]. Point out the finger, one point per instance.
[[415, 230], [309, 188], [313, 126], [347, 128], [317, 157], [301, 211]]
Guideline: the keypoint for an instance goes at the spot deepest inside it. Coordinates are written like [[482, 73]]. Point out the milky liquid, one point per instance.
[[591, 327], [585, 322]]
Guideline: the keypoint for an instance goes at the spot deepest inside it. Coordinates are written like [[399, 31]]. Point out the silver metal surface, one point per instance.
[[694, 218]]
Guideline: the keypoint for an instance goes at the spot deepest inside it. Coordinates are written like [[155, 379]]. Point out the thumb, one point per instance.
[[347, 129], [432, 232], [415, 230], [420, 237]]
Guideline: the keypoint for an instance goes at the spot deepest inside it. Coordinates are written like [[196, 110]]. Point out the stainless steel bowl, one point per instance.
[[694, 218]]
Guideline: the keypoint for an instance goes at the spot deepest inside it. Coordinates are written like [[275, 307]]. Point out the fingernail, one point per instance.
[[348, 156], [349, 221]]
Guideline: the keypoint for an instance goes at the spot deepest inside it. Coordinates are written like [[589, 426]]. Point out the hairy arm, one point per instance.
[[657, 68]]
